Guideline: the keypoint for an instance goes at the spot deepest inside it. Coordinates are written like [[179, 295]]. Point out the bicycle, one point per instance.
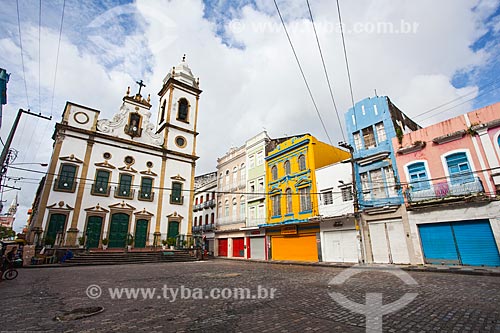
[[10, 273]]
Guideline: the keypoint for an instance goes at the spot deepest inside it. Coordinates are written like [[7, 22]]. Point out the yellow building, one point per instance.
[[292, 199]]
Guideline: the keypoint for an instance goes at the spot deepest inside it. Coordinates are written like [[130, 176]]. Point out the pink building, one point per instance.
[[450, 174]]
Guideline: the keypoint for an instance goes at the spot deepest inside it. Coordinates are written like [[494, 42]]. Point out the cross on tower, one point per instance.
[[141, 84]]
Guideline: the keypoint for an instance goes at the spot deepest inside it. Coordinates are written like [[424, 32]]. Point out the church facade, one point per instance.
[[123, 181]]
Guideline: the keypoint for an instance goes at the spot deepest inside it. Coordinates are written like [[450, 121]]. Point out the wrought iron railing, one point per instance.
[[444, 189]]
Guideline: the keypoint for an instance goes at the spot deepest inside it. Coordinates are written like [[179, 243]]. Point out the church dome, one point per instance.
[[182, 73]]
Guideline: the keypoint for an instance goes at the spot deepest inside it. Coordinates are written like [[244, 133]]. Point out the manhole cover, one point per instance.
[[79, 313]]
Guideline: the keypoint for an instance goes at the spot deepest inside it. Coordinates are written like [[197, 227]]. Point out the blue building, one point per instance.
[[4, 78], [371, 125]]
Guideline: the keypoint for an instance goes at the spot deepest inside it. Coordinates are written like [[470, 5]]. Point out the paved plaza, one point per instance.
[[300, 299]]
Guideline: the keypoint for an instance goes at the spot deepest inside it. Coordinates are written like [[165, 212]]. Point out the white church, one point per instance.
[[125, 180]]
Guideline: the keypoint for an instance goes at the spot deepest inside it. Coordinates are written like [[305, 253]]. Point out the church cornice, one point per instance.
[[180, 85], [160, 150]]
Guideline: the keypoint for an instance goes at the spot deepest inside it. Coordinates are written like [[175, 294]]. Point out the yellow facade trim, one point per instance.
[[81, 185]]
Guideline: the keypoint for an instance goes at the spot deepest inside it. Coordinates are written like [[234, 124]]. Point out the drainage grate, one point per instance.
[[79, 313]]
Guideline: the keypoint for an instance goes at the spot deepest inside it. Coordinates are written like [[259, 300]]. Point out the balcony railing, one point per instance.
[[124, 193], [209, 204], [255, 222], [100, 190], [226, 220], [176, 200], [444, 190], [197, 207], [146, 195], [65, 186]]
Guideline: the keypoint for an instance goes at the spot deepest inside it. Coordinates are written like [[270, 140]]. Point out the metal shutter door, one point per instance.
[[438, 243], [331, 246], [397, 241], [476, 243], [257, 248], [379, 243], [223, 247], [301, 248]]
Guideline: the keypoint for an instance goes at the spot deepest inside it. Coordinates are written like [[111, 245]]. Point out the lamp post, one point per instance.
[[357, 223]]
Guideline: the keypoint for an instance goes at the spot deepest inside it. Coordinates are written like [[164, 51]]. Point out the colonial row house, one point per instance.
[[125, 180], [450, 174]]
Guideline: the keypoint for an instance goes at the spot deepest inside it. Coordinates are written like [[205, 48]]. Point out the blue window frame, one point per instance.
[[418, 176], [459, 168]]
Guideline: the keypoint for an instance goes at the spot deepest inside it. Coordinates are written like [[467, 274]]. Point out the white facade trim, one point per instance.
[[427, 170]]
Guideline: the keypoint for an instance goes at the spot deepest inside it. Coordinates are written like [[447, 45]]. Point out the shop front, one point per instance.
[[297, 242]]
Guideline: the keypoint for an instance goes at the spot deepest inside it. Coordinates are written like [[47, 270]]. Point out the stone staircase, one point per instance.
[[121, 258]]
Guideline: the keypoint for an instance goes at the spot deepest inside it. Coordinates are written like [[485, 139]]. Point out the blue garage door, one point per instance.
[[466, 242], [476, 243]]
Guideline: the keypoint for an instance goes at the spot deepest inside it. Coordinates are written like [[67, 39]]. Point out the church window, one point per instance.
[[182, 113], [145, 192], [162, 111], [106, 156], [134, 125], [101, 184], [125, 186], [129, 160], [176, 197], [149, 164], [67, 176], [180, 142]]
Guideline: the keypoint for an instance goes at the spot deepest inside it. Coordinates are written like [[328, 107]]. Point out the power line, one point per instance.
[[40, 56], [346, 60], [57, 58], [302, 72], [326, 72], [22, 56]]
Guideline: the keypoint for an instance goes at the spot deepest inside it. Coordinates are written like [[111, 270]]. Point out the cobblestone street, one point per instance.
[[445, 302]]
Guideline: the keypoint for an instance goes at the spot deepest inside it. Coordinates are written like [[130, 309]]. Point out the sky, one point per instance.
[[434, 59]]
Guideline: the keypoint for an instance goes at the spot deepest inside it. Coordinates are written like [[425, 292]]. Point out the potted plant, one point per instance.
[[81, 241], [105, 243], [164, 244], [171, 242], [130, 241]]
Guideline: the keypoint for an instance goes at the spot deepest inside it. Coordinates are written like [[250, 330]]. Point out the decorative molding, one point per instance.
[[60, 205], [490, 124], [175, 215], [105, 164], [96, 209], [373, 158], [414, 147], [178, 177], [148, 172], [122, 205], [71, 158], [449, 137], [144, 212], [127, 168]]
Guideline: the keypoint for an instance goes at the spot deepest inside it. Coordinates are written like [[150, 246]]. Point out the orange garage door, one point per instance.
[[299, 248]]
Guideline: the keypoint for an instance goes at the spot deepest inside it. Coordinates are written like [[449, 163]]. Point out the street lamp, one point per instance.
[[40, 164]]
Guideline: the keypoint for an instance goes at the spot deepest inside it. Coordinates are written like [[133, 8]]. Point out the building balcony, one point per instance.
[[100, 190], [226, 220], [208, 227], [256, 196], [146, 195], [255, 222], [197, 207], [64, 185], [209, 204], [124, 193], [444, 191]]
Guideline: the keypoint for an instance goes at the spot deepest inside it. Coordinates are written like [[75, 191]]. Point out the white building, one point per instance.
[[339, 237], [126, 176], [204, 209]]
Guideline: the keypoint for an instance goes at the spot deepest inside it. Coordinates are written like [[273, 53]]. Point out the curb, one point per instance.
[[424, 269]]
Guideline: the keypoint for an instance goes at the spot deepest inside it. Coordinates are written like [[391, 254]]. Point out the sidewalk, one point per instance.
[[465, 270]]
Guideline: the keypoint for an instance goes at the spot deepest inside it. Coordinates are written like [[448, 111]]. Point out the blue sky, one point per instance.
[[249, 76]]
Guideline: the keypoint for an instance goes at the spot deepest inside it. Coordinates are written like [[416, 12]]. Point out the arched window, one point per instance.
[[302, 162], [182, 113], [274, 173], [235, 208], [287, 167], [206, 219], [162, 111], [195, 220], [288, 201], [459, 168], [418, 176], [235, 175], [227, 177], [305, 199], [212, 218], [276, 205], [242, 207], [242, 174], [226, 208]]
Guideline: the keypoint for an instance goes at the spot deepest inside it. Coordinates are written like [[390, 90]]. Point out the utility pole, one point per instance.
[[357, 223], [8, 142]]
